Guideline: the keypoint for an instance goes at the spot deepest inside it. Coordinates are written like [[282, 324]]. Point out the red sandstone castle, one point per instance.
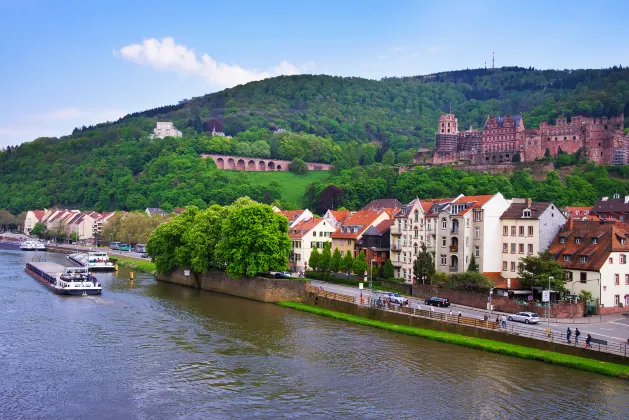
[[600, 140]]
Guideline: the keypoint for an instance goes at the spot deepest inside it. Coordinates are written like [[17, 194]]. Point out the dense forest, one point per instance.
[[349, 122]]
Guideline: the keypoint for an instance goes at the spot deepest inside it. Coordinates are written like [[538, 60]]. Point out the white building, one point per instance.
[[594, 256], [527, 229], [166, 129], [407, 236], [296, 216], [306, 235], [32, 218]]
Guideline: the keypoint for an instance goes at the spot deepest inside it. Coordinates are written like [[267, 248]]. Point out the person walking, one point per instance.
[[504, 321], [588, 340], [577, 333], [568, 334], [450, 313]]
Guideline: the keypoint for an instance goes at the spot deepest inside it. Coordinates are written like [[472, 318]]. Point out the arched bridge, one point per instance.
[[250, 164]]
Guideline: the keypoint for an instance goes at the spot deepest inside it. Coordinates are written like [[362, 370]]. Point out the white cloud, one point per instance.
[[166, 55], [434, 49]]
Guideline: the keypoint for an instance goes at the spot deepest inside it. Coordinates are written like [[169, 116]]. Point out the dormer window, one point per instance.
[[562, 239], [583, 259], [594, 241], [577, 212], [623, 241], [577, 240], [567, 258], [526, 213]]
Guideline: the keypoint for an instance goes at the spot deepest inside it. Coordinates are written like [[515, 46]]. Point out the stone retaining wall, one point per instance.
[[255, 288]]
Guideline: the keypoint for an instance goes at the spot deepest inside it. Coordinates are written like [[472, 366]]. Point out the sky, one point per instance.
[[71, 63]]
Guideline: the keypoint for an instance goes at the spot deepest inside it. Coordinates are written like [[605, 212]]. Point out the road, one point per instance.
[[82, 248], [613, 328]]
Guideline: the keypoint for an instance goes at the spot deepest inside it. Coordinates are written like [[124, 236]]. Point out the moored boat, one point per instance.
[[28, 245], [62, 280], [95, 261]]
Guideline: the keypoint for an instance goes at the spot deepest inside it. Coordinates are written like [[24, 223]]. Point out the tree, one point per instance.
[[39, 230], [534, 270], [585, 296], [74, 236], [326, 257], [313, 261], [473, 266], [388, 271], [298, 166], [348, 262], [405, 157], [424, 266], [166, 246], [336, 262], [388, 158], [203, 237], [254, 240], [360, 264], [547, 153], [516, 158]]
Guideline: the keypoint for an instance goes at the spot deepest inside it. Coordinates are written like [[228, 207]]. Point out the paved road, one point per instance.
[[613, 328], [82, 248]]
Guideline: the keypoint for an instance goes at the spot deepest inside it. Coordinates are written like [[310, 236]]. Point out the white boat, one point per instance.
[[40, 246], [96, 261], [28, 245], [64, 280]]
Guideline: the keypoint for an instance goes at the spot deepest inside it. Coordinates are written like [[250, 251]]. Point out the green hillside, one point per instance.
[[349, 122]]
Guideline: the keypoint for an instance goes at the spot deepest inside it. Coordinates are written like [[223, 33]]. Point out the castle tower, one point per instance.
[[447, 136]]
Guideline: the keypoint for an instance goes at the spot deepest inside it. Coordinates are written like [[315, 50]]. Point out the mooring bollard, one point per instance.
[[131, 275]]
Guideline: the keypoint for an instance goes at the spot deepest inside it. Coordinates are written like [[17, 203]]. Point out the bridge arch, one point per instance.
[[231, 164], [262, 166], [220, 163], [271, 166], [251, 165], [240, 165]]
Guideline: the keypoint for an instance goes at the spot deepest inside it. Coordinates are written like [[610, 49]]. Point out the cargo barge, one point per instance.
[[75, 281]]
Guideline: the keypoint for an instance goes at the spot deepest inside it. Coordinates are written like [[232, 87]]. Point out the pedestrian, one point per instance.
[[568, 334], [485, 317], [450, 313], [588, 339], [504, 321], [577, 333], [497, 319], [460, 314]]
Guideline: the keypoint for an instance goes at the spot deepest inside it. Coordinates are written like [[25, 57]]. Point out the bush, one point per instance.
[[298, 166]]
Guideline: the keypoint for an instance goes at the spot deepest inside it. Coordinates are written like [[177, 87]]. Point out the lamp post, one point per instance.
[[549, 302], [371, 280]]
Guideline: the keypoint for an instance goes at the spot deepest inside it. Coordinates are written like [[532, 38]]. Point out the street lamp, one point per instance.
[[549, 302], [371, 280]]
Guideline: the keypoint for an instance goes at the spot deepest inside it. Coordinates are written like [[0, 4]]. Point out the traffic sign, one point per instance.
[[546, 296], [360, 286], [530, 298]]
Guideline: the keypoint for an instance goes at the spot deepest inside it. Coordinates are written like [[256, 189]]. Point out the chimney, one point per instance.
[[626, 199], [604, 198], [529, 202], [570, 223]]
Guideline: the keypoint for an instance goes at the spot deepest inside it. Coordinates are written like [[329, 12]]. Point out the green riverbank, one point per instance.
[[135, 264], [582, 363]]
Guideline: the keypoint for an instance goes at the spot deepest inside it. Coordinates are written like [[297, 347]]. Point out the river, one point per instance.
[[149, 350]]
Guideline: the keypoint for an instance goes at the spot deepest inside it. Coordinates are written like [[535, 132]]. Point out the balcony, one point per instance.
[[396, 230], [396, 263], [454, 248], [395, 247], [453, 269]]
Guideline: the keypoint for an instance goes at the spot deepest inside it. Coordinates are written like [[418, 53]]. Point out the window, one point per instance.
[[577, 240], [568, 275], [428, 226], [562, 239], [611, 260], [527, 213], [478, 215], [505, 231], [505, 248], [623, 240], [477, 251], [443, 241], [626, 279], [504, 266], [616, 300], [583, 259], [512, 230], [404, 272], [623, 259], [521, 249], [467, 223], [530, 230], [567, 257], [416, 215], [530, 250], [444, 223], [594, 241], [616, 279], [521, 231], [415, 249], [512, 266], [584, 277], [314, 233], [477, 233], [444, 260], [416, 233], [513, 248], [467, 241]]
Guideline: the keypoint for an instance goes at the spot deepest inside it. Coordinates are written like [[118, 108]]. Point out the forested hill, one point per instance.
[[345, 121]]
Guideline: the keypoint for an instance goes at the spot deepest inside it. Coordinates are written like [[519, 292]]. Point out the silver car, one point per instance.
[[526, 317]]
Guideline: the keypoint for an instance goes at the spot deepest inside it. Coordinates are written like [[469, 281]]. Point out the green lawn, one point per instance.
[[293, 186]]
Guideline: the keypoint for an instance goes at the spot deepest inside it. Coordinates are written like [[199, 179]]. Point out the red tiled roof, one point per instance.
[[362, 219], [340, 215], [476, 201], [292, 215], [384, 226], [501, 283], [39, 214], [303, 227]]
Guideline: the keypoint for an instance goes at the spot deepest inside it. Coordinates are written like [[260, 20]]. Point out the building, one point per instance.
[[306, 235], [616, 208], [391, 204], [469, 225], [580, 213], [32, 218], [594, 257], [601, 140], [153, 211], [337, 217], [375, 243], [296, 216], [97, 226], [165, 129], [351, 230], [528, 228]]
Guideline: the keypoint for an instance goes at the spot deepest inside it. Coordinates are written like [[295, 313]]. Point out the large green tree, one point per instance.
[[39, 230], [348, 262], [360, 264], [424, 266], [313, 261], [335, 264], [535, 270], [388, 270], [326, 257]]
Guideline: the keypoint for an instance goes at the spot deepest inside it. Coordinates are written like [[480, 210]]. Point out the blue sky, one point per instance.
[[66, 64]]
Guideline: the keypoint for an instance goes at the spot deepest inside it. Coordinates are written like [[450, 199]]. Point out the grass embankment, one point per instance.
[[576, 362], [293, 186], [135, 264]]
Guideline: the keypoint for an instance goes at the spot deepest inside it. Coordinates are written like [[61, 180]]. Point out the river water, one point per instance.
[[149, 350]]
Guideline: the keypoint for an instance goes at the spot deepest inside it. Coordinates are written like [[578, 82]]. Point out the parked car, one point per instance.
[[144, 255], [397, 299], [282, 275], [438, 301], [526, 317], [139, 248], [114, 245], [124, 247]]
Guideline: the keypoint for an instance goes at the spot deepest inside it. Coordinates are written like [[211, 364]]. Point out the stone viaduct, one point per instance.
[[250, 164]]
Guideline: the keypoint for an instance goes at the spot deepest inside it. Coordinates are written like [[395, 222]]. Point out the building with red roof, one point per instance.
[[305, 236], [351, 230]]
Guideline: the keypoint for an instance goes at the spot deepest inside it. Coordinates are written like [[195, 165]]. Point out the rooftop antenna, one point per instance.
[[492, 60]]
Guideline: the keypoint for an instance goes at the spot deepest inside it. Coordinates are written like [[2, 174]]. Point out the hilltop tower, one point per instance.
[[447, 136]]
